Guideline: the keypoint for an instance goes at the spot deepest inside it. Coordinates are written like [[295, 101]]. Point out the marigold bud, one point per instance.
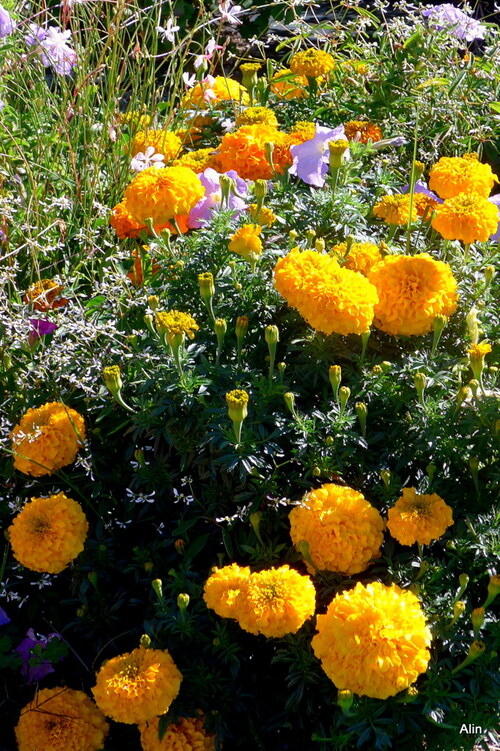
[[344, 394], [145, 641], [310, 236], [458, 609], [157, 585], [180, 545], [386, 365], [220, 327], [148, 320], [362, 412], [420, 381], [377, 370], [293, 235], [272, 335], [269, 151], [206, 285], [477, 617], [237, 405], [316, 472], [489, 274], [418, 169], [260, 189], [345, 700], [329, 440], [464, 393], [241, 326], [335, 376], [290, 402], [112, 378], [183, 602], [319, 245], [153, 301], [337, 150], [493, 589], [227, 186], [385, 476]]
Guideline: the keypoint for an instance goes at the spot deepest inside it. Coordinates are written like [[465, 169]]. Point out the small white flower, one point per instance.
[[149, 158], [227, 125], [228, 12], [167, 34], [189, 81]]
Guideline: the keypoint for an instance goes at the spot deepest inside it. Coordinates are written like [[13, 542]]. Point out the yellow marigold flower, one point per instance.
[[461, 174], [45, 295], [257, 116], [61, 719], [479, 351], [161, 194], [355, 66], [48, 533], [174, 322], [330, 298], [188, 734], [418, 518], [395, 209], [244, 151], [312, 63], [344, 532], [275, 602], [198, 160], [367, 131], [412, 291], [163, 141], [47, 439], [223, 587], [468, 217], [303, 130], [237, 401], [247, 243], [137, 686], [223, 89], [373, 640], [361, 256], [287, 86], [250, 67], [265, 217]]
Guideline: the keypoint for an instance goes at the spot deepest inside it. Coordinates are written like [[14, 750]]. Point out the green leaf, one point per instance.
[[495, 107]]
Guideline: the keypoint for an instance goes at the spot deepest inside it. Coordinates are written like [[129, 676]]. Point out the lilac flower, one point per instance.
[[311, 158], [26, 650], [167, 34], [52, 48], [149, 158], [35, 36], [229, 12], [4, 618], [496, 235], [455, 21], [6, 23], [210, 179]]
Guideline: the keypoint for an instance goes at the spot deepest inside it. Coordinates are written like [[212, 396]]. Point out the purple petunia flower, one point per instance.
[[311, 158], [210, 179], [26, 651], [6, 23], [41, 327], [496, 235], [4, 618], [421, 187], [454, 20]]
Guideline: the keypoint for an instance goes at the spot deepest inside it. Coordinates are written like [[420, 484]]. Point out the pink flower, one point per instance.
[[228, 12], [311, 158], [149, 158], [209, 53], [57, 52]]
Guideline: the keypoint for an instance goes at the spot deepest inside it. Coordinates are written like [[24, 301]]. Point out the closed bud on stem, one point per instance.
[[310, 237], [386, 365], [293, 235], [362, 412], [489, 274], [463, 394], [458, 610], [385, 476], [260, 189], [493, 589], [420, 381], [345, 700], [227, 186], [281, 369], [290, 402], [418, 169], [255, 520], [220, 328], [240, 330], [182, 602], [272, 337], [157, 585], [112, 378], [463, 580], [344, 394], [316, 472], [440, 322], [477, 617], [269, 151], [249, 77], [474, 387], [145, 641], [148, 320], [319, 245], [335, 376], [475, 650], [337, 150], [153, 301], [377, 370], [237, 405], [329, 440], [180, 545], [206, 286]]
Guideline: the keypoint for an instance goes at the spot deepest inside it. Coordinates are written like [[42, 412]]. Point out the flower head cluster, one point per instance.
[[468, 217], [373, 640], [343, 531], [162, 141], [212, 90], [362, 131], [312, 63], [45, 295], [188, 734], [412, 291], [47, 439], [419, 518], [61, 719], [332, 299], [285, 85], [162, 194], [361, 256], [257, 116], [174, 323], [198, 160], [246, 242], [395, 209], [244, 151], [48, 533], [273, 602], [461, 174], [137, 686]]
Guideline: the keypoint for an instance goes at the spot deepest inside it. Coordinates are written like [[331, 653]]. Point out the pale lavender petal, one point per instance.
[[496, 200]]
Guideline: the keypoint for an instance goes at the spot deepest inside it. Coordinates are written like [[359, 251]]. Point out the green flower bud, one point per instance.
[[183, 602], [493, 589], [362, 412], [320, 245], [345, 700], [153, 301], [335, 376], [260, 189], [145, 641], [344, 394], [385, 477], [477, 617], [420, 381]]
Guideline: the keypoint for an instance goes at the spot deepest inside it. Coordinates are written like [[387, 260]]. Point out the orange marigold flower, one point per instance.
[[373, 640], [188, 734], [198, 160], [48, 533], [223, 90], [461, 174], [124, 223], [395, 209], [45, 295], [247, 243], [223, 587], [244, 151], [468, 217], [161, 194], [257, 116], [418, 518], [344, 532], [412, 291], [163, 141], [61, 719], [425, 205], [332, 299], [275, 602], [287, 86], [312, 63], [361, 256], [47, 439], [137, 686], [363, 131]]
